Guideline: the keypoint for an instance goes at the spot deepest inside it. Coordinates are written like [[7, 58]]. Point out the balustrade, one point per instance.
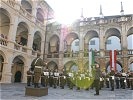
[[3, 41], [20, 47], [119, 52], [130, 52]]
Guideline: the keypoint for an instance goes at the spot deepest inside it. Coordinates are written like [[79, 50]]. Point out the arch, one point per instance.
[[89, 35], [70, 38], [22, 33], [112, 32], [112, 36], [40, 15], [18, 76], [75, 45], [113, 43], [52, 66], [108, 65], [130, 31], [5, 22], [68, 66], [91, 40], [26, 5], [17, 68], [37, 41], [54, 43]]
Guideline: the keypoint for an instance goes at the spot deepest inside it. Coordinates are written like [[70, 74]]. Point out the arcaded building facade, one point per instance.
[[25, 31], [22, 35]]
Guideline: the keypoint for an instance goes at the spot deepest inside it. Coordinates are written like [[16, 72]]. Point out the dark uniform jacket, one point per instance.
[[97, 73], [39, 62]]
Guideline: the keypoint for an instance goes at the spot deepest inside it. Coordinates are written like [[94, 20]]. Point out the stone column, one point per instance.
[[125, 64], [85, 46], [12, 30], [24, 80], [81, 42], [46, 49], [42, 46], [101, 41], [124, 47], [6, 76], [102, 64], [61, 53], [69, 48], [30, 43], [124, 37], [34, 10], [125, 60]]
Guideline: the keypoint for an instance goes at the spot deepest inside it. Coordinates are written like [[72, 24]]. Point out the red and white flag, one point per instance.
[[112, 54]]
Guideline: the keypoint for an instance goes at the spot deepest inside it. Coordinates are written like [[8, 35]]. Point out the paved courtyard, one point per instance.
[[16, 91]]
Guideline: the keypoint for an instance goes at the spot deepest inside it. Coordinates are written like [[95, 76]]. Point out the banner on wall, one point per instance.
[[91, 60], [113, 62]]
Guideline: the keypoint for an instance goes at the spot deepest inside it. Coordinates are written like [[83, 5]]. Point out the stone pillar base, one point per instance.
[[31, 91]]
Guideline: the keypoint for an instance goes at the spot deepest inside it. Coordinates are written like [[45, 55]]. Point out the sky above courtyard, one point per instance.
[[67, 11]]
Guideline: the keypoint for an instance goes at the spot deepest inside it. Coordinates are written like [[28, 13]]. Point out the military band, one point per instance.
[[75, 79]]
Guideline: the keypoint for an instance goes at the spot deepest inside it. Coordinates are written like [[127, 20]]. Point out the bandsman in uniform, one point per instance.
[[111, 79], [51, 75], [29, 77], [55, 78], [97, 75], [42, 80], [45, 78], [107, 80], [102, 81], [37, 66], [62, 80], [123, 80], [121, 83], [117, 79]]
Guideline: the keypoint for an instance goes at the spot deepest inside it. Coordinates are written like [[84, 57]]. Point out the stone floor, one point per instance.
[[16, 91]]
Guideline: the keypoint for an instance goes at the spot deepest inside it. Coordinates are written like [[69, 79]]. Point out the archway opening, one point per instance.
[[52, 66], [22, 34], [4, 26], [18, 76], [54, 44], [75, 46], [37, 41], [113, 43], [27, 6], [131, 67], [17, 69], [118, 67]]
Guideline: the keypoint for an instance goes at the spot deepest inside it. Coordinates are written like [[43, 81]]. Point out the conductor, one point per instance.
[[37, 66]]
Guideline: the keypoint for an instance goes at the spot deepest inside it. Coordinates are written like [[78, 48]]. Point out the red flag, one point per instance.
[[115, 60], [110, 54]]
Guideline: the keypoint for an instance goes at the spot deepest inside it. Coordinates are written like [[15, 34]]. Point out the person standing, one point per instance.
[[97, 75], [107, 80], [111, 79], [29, 77], [37, 66]]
